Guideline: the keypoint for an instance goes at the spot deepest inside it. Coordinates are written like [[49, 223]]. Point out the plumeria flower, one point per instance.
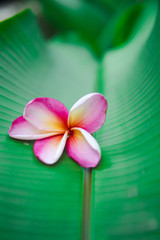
[[48, 121]]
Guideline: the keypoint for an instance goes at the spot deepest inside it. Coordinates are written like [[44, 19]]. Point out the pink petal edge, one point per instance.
[[23, 130], [47, 114], [89, 112], [83, 148], [49, 150]]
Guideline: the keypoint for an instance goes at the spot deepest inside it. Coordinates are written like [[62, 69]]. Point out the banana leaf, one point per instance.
[[126, 185], [120, 198], [37, 201], [77, 15]]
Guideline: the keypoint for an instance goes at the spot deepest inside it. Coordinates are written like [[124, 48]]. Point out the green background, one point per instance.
[[115, 52]]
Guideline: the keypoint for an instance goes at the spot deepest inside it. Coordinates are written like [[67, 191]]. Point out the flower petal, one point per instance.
[[47, 114], [50, 149], [21, 129], [83, 148], [88, 113]]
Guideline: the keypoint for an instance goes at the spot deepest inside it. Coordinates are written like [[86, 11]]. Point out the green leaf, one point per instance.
[[114, 4], [130, 21], [125, 186], [41, 202], [37, 201], [77, 15]]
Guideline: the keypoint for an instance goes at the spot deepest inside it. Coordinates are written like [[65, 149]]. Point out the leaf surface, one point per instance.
[[77, 15], [38, 201], [125, 186]]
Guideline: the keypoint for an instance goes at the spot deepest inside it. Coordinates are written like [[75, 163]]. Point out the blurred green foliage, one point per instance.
[[101, 23], [108, 46]]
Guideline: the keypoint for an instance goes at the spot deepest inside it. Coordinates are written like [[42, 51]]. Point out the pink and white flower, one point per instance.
[[48, 121]]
